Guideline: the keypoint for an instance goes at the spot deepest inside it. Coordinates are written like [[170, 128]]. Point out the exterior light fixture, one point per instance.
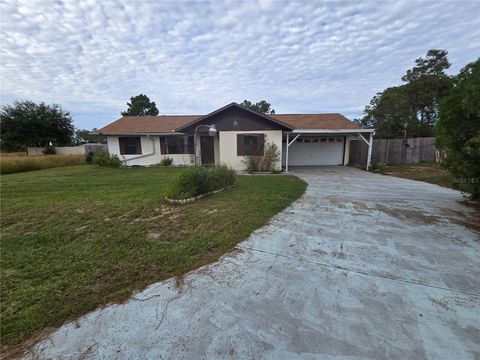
[[212, 130]]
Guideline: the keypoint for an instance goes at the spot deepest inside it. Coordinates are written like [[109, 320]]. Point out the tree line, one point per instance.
[[432, 103], [411, 109], [25, 123]]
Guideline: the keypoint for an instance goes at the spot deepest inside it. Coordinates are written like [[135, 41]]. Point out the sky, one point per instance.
[[194, 57]]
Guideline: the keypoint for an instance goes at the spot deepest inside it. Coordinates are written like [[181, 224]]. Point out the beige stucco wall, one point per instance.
[[151, 154], [228, 146], [225, 148]]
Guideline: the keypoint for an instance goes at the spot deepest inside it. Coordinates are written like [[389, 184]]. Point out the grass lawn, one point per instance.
[[429, 172], [77, 237]]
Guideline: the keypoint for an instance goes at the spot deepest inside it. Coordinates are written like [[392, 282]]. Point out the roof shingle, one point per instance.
[[168, 123], [316, 121], [147, 124]]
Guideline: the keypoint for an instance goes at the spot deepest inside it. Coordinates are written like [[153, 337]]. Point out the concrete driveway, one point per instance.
[[363, 266]]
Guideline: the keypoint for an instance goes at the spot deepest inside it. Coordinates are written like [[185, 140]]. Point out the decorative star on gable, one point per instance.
[[236, 125]]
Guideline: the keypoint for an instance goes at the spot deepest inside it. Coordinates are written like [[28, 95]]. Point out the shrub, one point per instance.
[[49, 150], [270, 158], [252, 164], [107, 161], [89, 157], [266, 163], [458, 130], [198, 180], [15, 164], [167, 161]]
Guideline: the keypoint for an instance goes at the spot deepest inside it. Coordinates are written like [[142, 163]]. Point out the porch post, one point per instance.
[[369, 156], [286, 154]]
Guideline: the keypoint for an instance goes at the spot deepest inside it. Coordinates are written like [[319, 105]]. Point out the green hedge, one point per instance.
[[197, 180]]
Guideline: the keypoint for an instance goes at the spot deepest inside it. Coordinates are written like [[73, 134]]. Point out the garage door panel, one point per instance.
[[315, 153]]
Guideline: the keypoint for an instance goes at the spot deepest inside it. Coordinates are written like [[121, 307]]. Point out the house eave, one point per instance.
[[332, 131], [234, 104], [147, 134]]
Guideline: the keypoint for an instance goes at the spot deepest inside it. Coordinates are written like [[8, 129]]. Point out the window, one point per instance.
[[250, 144], [130, 145], [176, 144], [308, 139]]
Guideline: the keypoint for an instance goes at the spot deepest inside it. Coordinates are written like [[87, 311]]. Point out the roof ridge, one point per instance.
[[332, 113], [153, 116]]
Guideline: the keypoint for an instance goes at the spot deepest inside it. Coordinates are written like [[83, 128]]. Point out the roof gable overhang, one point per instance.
[[233, 105], [332, 131]]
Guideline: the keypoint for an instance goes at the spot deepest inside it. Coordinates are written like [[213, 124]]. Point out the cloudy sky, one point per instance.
[[193, 57]]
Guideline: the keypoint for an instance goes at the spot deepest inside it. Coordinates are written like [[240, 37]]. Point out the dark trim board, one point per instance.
[[235, 117]]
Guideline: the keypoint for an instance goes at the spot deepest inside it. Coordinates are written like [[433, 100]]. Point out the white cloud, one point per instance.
[[192, 57]]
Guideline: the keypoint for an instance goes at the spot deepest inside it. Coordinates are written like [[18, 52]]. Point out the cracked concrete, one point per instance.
[[363, 266]]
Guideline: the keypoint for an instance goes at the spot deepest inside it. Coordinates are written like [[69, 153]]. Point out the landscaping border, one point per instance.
[[192, 199]]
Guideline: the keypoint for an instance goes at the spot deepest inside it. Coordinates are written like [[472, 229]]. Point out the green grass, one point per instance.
[[429, 172], [74, 238]]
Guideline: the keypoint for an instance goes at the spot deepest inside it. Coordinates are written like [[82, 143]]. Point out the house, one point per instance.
[[227, 135]]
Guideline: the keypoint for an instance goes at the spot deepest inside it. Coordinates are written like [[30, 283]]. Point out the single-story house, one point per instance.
[[229, 134]]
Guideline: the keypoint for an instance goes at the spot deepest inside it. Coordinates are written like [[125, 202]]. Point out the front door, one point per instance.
[[207, 150]]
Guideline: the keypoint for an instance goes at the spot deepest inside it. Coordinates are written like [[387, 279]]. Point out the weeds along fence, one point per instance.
[[396, 151], [71, 150], [15, 164]]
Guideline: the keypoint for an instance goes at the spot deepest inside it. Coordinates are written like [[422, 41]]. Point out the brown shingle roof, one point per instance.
[[147, 124], [168, 123], [316, 121]]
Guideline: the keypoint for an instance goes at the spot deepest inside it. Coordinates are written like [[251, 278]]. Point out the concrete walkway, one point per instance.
[[363, 266]]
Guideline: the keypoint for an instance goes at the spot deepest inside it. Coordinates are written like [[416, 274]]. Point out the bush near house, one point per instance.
[[167, 161], [199, 180], [16, 164], [265, 163], [106, 160]]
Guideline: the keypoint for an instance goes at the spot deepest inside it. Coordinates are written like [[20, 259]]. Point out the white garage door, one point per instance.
[[315, 151]]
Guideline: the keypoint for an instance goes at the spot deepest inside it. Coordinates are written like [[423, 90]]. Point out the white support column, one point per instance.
[[369, 156], [346, 155], [286, 154]]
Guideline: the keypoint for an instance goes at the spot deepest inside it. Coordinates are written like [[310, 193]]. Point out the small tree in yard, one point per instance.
[[141, 105], [458, 129], [26, 123]]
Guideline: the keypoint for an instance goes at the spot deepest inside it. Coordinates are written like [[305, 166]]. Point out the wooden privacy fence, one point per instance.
[[395, 151]]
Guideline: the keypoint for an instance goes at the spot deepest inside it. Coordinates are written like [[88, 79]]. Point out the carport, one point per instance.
[[307, 147]]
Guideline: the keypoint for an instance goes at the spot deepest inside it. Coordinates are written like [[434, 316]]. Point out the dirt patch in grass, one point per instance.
[[432, 173]]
